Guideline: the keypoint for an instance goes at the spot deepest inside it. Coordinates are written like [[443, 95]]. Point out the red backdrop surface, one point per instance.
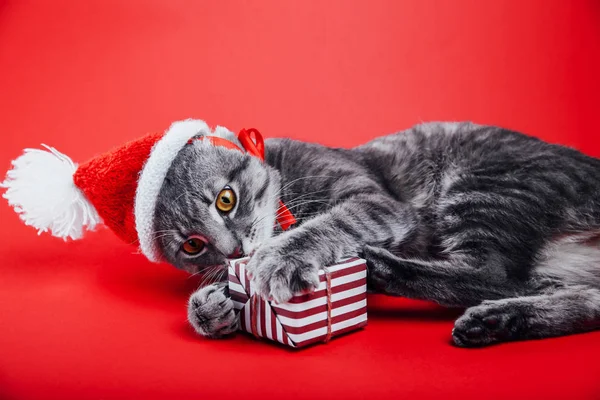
[[91, 319]]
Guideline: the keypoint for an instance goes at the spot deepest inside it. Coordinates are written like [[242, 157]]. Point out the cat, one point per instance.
[[479, 217]]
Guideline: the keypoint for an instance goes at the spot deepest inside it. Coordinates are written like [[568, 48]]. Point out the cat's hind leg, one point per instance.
[[564, 311], [570, 303]]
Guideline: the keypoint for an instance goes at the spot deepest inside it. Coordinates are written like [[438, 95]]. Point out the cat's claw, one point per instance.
[[277, 278], [211, 312]]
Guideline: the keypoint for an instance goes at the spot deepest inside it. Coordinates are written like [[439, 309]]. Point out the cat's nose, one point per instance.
[[236, 253]]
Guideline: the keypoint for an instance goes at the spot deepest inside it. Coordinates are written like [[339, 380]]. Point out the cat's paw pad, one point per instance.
[[211, 312], [487, 324], [280, 278]]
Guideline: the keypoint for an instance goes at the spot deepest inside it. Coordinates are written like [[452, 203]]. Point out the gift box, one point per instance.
[[337, 306]]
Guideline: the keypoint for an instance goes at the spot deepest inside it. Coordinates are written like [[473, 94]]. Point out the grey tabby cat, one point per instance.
[[456, 213]]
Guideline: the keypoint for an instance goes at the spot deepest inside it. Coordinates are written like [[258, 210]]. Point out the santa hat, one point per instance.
[[119, 188]]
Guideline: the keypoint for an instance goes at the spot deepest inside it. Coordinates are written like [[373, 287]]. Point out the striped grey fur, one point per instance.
[[461, 214]]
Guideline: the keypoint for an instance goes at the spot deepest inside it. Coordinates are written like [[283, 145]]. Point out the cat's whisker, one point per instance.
[[294, 202], [157, 234], [307, 177], [298, 198], [216, 276], [202, 270], [164, 231], [292, 207], [162, 236], [170, 242], [290, 183], [194, 274], [309, 215], [178, 197], [303, 203], [205, 278]]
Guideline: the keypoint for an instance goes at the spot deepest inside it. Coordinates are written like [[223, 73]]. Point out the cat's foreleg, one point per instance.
[[458, 281], [210, 311], [564, 311], [288, 264]]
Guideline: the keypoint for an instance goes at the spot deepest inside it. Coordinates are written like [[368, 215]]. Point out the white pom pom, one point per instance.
[[41, 190]]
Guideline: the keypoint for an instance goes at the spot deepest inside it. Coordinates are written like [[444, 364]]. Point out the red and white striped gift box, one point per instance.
[[339, 305]]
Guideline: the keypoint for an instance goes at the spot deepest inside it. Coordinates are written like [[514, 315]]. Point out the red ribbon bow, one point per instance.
[[253, 143]]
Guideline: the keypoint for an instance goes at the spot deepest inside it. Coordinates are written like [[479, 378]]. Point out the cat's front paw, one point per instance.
[[279, 275], [211, 313]]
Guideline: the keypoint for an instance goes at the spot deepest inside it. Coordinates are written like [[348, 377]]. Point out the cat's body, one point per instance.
[[460, 214]]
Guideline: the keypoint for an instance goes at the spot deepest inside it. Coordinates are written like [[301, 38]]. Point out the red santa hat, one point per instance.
[[119, 188]]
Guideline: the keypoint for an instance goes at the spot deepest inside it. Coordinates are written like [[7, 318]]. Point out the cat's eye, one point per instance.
[[193, 246], [226, 200]]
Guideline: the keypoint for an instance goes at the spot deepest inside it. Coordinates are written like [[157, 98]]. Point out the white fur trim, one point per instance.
[[41, 190], [153, 174]]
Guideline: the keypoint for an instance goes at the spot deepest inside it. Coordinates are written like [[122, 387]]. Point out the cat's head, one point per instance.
[[215, 203]]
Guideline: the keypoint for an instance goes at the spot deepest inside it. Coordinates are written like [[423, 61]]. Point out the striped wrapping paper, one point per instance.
[[338, 305]]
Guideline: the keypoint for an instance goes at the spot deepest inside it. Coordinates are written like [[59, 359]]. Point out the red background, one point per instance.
[[91, 319]]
